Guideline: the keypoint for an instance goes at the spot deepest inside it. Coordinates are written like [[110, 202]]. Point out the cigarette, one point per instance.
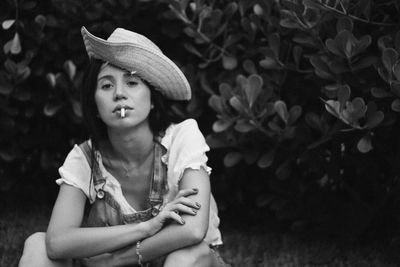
[[122, 112]]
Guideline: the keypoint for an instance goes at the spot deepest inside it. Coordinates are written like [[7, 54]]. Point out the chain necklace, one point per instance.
[[117, 164]]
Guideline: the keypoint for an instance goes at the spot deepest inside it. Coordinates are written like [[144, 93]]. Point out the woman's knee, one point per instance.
[[34, 246], [196, 255], [35, 254]]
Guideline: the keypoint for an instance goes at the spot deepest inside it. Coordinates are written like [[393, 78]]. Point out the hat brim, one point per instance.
[[153, 66]]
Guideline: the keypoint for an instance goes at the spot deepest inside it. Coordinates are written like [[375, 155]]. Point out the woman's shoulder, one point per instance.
[[79, 154], [186, 126]]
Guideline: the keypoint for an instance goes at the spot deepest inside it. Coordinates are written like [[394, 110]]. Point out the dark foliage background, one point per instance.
[[299, 99]]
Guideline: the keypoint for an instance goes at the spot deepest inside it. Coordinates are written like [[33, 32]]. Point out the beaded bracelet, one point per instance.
[[138, 254]]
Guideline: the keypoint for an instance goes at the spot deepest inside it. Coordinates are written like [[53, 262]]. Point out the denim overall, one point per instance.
[[105, 211]]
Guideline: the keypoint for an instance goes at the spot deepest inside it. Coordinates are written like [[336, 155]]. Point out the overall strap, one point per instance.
[[87, 152], [98, 179], [158, 185]]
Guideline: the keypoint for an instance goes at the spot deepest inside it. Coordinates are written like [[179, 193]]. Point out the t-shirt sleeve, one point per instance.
[[75, 171], [188, 150]]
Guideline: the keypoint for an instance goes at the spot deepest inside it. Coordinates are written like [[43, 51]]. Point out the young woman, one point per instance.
[[144, 174]]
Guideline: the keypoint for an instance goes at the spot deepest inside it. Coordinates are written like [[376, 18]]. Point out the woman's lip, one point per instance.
[[119, 107]]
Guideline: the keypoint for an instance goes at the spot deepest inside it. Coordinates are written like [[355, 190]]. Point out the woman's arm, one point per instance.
[[175, 236], [66, 238]]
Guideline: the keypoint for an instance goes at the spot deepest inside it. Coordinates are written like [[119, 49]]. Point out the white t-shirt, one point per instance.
[[186, 148]]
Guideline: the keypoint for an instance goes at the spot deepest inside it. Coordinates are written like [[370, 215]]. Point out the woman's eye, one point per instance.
[[106, 86], [132, 83]]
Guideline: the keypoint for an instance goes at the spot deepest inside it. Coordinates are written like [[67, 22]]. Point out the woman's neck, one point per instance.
[[133, 146]]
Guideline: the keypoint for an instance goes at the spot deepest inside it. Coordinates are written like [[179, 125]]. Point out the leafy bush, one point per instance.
[[303, 95], [306, 91]]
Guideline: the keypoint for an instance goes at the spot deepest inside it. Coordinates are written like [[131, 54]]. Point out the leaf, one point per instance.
[[7, 24], [232, 158], [379, 92], [221, 125], [23, 72], [321, 68], [266, 159], [249, 66], [243, 126], [15, 48], [258, 10], [51, 108], [346, 42], [333, 48], [355, 110], [40, 20], [364, 62], [384, 42], [229, 62], [11, 66], [333, 108], [7, 156], [236, 104], [344, 23], [396, 105], [304, 40], [395, 86], [269, 63], [294, 114], [281, 109], [343, 96], [396, 70], [51, 78], [230, 9], [5, 89], [389, 58], [364, 145], [77, 108], [225, 90], [274, 43], [253, 90], [70, 69], [374, 119], [7, 47], [28, 5]]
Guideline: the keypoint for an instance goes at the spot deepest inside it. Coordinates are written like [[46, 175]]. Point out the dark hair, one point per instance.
[[160, 117]]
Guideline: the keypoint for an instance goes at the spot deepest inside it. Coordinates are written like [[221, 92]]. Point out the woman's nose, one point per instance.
[[119, 93]]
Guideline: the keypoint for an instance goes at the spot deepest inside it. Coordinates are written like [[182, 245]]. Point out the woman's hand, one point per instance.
[[172, 210]]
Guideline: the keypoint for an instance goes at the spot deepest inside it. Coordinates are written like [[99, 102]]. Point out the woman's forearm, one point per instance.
[[175, 236], [172, 237], [87, 242]]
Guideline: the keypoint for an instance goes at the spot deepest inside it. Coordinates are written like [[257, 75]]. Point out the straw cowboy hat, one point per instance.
[[134, 52]]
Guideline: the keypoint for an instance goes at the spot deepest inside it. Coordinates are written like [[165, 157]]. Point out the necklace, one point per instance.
[[123, 169]]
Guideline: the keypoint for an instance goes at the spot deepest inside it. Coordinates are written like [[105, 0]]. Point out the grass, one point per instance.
[[244, 246]]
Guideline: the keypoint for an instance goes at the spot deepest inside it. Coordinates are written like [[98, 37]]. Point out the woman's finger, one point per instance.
[[187, 192], [187, 202], [180, 208], [175, 216], [184, 201]]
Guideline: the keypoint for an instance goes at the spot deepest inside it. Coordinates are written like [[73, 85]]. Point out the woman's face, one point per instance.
[[123, 100]]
